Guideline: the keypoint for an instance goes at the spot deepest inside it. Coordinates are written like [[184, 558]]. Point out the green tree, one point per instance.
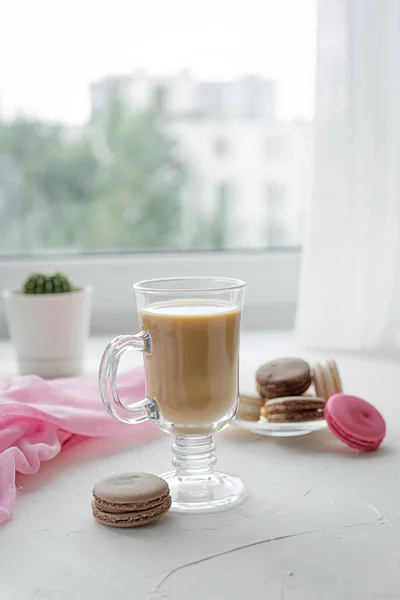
[[211, 227], [52, 184], [68, 183], [23, 144], [116, 183], [140, 183]]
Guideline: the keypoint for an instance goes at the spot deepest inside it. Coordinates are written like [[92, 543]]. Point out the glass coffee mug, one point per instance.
[[190, 330]]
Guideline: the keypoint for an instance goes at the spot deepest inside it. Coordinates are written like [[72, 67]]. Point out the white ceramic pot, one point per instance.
[[49, 331]]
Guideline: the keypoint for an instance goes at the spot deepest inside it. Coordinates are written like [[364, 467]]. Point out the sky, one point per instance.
[[51, 50]]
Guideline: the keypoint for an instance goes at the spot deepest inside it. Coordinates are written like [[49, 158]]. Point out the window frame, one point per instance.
[[271, 295]]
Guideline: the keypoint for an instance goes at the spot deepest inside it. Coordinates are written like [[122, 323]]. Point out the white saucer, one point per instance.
[[263, 427]]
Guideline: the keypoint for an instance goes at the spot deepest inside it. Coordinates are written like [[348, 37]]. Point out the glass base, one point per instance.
[[216, 491], [194, 485]]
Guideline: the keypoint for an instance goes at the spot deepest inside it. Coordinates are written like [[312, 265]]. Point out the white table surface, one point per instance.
[[320, 520]]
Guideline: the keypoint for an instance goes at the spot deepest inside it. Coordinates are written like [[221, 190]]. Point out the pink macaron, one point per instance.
[[355, 422]]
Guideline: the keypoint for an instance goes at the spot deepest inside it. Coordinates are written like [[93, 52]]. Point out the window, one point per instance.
[[276, 197], [221, 146], [105, 141], [91, 152], [221, 215], [277, 220], [278, 149]]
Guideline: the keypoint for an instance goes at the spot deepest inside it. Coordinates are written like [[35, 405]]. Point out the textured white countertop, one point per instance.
[[320, 520]]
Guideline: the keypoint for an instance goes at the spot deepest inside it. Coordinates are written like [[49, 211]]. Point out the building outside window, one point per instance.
[[276, 197], [221, 146], [278, 148], [276, 218]]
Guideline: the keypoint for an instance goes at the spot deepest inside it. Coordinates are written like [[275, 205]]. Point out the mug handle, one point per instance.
[[108, 374]]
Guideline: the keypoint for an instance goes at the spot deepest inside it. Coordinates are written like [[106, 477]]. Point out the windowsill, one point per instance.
[[271, 277]]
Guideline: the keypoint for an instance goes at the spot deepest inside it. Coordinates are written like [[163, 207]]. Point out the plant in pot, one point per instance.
[[48, 321]]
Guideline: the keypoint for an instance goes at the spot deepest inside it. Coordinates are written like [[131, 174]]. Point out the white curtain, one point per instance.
[[350, 283]]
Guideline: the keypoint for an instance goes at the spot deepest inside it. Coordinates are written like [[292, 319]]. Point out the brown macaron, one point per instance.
[[293, 409], [130, 499], [249, 408], [283, 377]]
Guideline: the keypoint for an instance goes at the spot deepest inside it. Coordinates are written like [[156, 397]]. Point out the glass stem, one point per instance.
[[194, 455]]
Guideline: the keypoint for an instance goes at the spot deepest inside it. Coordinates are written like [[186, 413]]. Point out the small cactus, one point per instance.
[[47, 284]]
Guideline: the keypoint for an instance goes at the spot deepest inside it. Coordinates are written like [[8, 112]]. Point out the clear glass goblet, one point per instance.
[[190, 331]]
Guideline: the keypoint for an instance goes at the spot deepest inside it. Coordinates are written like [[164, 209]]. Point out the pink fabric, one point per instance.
[[38, 418]]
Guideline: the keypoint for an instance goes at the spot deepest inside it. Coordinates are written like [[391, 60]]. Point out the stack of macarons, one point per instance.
[[290, 391], [284, 385], [285, 394]]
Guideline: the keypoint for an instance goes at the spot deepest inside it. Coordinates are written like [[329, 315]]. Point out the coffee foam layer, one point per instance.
[[190, 308]]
